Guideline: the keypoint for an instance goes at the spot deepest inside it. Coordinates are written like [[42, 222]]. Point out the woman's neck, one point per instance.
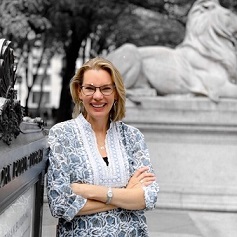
[[99, 126]]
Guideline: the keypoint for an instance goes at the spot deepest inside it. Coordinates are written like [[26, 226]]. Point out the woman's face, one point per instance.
[[97, 105]]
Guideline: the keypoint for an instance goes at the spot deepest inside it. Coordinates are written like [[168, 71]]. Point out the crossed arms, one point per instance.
[[130, 198]]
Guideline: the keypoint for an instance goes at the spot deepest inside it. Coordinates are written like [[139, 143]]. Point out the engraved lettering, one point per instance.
[[5, 176], [19, 167]]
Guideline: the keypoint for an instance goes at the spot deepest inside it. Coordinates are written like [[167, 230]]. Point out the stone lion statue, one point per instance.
[[205, 63]]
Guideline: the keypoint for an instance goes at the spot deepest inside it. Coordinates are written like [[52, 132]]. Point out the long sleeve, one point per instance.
[[62, 201], [139, 157]]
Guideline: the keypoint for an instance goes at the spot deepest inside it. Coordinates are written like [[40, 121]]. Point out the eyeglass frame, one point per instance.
[[99, 87]]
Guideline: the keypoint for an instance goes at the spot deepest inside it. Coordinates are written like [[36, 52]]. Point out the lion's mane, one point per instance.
[[207, 31]]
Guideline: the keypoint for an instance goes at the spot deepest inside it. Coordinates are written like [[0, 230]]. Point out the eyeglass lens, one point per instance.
[[90, 89]]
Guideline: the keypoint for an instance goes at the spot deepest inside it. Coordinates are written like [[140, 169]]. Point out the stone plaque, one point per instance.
[[17, 219]]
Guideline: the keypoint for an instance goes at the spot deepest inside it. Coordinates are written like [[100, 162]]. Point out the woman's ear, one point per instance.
[[79, 93]]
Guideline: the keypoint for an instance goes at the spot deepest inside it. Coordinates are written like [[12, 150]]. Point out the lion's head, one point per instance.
[[211, 29]]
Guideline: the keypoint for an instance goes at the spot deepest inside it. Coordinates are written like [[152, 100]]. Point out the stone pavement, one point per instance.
[[173, 223]]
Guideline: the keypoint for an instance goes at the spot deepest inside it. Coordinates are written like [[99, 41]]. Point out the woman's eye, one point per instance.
[[106, 88]]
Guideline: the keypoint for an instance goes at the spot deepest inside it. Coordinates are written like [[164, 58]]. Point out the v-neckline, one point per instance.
[[116, 174]]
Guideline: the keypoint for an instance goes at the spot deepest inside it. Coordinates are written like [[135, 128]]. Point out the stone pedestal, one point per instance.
[[22, 169], [193, 148]]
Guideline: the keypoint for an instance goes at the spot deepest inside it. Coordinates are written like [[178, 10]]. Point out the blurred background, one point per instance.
[[52, 38], [194, 151]]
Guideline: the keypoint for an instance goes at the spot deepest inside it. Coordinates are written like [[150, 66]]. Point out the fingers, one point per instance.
[[140, 171], [145, 178], [145, 175], [141, 178], [147, 181]]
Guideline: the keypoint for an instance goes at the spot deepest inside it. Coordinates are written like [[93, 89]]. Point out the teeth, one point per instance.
[[98, 106]]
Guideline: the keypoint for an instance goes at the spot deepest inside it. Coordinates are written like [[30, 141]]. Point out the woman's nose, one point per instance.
[[97, 93]]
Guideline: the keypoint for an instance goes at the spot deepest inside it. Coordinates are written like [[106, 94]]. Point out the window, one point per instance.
[[45, 98], [40, 78]]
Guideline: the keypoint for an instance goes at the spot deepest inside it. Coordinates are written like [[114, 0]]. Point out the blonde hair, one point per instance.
[[118, 111]]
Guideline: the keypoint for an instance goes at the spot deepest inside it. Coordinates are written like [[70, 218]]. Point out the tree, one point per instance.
[[25, 24], [82, 20], [67, 26]]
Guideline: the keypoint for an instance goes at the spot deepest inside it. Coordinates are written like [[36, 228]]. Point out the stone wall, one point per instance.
[[193, 148]]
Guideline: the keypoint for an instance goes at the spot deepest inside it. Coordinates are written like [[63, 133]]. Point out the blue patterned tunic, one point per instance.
[[74, 157]]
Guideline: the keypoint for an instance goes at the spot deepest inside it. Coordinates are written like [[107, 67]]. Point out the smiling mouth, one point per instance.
[[98, 106]]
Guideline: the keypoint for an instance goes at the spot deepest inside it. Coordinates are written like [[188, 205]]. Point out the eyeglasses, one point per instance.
[[90, 89]]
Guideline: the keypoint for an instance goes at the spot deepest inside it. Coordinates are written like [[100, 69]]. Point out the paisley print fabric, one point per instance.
[[74, 157]]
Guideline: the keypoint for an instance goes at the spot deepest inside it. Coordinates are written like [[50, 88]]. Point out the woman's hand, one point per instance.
[[81, 189], [141, 178]]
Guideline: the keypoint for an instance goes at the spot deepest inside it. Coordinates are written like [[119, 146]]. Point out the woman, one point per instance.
[[100, 179]]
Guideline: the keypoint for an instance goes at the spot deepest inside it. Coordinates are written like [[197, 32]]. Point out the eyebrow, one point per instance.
[[98, 86]]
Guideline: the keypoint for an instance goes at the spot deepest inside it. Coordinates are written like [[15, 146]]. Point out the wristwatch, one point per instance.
[[109, 195]]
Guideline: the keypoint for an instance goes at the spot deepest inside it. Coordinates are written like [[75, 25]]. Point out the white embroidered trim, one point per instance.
[[116, 174]]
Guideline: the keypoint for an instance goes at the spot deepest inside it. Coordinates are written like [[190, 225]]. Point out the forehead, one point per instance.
[[97, 77]]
